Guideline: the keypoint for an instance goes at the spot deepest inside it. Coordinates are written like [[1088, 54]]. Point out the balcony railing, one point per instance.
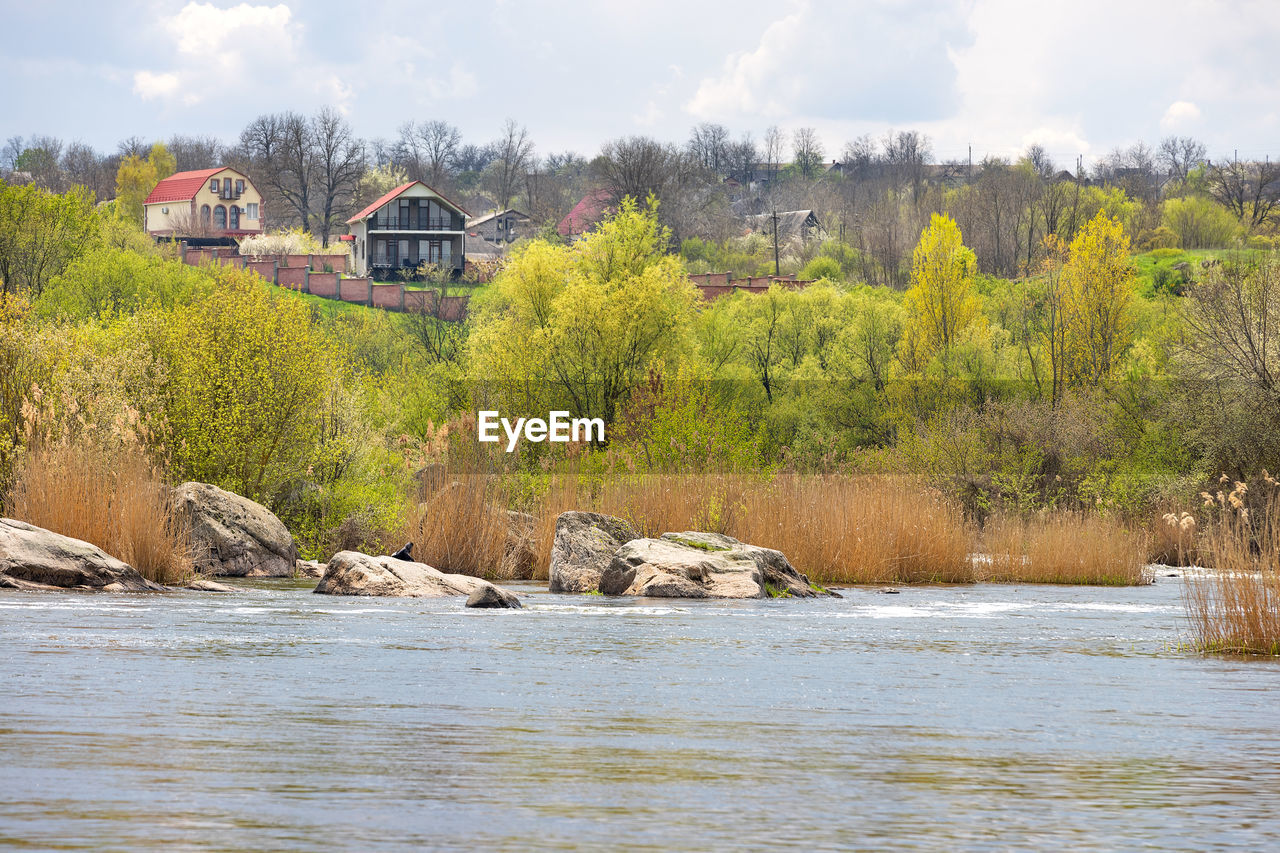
[[412, 223]]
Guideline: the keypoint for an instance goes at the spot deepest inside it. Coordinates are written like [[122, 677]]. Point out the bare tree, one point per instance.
[[513, 152], [428, 150], [1180, 154], [638, 166], [807, 151], [743, 155], [196, 152], [774, 146], [708, 147], [339, 160], [1250, 190], [281, 150]]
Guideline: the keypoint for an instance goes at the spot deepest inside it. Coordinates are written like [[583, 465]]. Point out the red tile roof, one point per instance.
[[585, 214], [368, 211], [181, 186]]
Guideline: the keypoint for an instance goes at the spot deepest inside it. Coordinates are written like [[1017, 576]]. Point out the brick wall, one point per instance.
[[291, 277], [351, 289], [324, 284], [387, 296]]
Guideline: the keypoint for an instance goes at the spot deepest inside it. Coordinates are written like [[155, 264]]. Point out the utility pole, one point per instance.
[[969, 174], [777, 268]]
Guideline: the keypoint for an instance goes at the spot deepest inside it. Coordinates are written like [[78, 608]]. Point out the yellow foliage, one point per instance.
[[1097, 294], [942, 302]]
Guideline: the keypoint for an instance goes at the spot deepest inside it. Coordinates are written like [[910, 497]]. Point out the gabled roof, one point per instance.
[[181, 186], [480, 220], [369, 211], [585, 213]]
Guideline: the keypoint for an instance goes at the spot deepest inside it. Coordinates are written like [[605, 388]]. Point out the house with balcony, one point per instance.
[[218, 203], [410, 226]]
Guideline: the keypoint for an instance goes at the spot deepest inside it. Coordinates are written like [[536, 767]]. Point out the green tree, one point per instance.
[[138, 176], [584, 325], [1097, 291], [40, 233]]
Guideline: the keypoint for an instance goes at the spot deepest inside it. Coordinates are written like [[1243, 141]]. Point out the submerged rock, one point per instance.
[[583, 548], [38, 559], [353, 573], [206, 585], [702, 565], [493, 596], [234, 536]]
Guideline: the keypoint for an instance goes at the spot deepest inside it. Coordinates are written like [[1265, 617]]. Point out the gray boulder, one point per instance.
[[353, 573], [308, 568], [38, 559], [206, 585], [583, 547], [234, 536], [493, 596], [702, 565]]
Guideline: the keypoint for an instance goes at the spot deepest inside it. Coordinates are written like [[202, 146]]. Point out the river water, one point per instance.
[[984, 717]]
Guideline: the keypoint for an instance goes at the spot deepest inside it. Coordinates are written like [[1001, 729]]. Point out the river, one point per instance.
[[982, 717]]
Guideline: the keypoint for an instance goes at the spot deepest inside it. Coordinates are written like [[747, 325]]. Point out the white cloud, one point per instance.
[[217, 51], [1179, 114], [149, 85]]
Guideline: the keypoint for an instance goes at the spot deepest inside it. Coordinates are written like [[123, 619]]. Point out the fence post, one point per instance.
[[275, 273], [306, 279], [368, 281], [401, 296]]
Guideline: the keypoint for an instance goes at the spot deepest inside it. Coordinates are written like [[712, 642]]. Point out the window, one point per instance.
[[213, 186], [220, 218], [239, 187], [204, 213], [404, 252], [250, 211], [235, 217]]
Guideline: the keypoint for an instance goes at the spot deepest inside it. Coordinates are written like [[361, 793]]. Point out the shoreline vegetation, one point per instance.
[[1066, 424]]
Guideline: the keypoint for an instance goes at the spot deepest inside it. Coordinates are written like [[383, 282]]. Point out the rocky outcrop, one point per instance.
[[493, 596], [583, 548], [234, 536], [308, 568], [38, 559], [702, 565], [353, 573]]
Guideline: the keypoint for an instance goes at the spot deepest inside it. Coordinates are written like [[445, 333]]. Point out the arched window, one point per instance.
[[235, 217], [220, 218], [204, 214]]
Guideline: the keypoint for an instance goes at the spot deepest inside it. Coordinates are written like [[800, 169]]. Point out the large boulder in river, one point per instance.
[[234, 536], [353, 573], [493, 596], [701, 565], [583, 547], [34, 558]]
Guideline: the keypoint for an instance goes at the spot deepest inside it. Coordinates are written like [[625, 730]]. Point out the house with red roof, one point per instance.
[[593, 207], [407, 227], [219, 202]]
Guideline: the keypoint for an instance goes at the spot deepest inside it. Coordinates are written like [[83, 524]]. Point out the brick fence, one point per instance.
[[305, 274]]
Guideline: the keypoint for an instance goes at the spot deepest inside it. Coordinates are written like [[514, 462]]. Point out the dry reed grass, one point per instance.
[[1064, 548], [1235, 607], [113, 498]]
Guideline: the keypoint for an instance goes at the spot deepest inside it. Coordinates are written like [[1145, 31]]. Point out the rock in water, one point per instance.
[[206, 585], [34, 558], [353, 573], [583, 547], [308, 568], [701, 565], [493, 596], [234, 536]]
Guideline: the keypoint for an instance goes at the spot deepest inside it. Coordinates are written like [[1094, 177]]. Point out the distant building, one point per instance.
[[219, 202], [795, 227], [501, 226], [593, 207], [409, 226]]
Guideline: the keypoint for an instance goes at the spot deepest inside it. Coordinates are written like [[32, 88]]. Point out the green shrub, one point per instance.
[[823, 267]]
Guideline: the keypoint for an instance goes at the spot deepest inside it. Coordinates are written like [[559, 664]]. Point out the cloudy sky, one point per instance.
[[1077, 76]]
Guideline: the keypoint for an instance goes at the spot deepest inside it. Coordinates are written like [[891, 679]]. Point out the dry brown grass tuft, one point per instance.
[[1235, 607], [1064, 548], [113, 498]]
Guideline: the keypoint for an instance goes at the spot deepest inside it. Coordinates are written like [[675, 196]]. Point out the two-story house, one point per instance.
[[500, 226], [409, 226], [217, 202]]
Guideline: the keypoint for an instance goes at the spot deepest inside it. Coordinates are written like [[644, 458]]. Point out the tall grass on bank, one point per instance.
[[1063, 548], [113, 497], [1235, 606]]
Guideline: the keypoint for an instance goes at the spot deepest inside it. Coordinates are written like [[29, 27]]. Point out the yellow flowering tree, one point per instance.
[[1097, 292], [942, 303]]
